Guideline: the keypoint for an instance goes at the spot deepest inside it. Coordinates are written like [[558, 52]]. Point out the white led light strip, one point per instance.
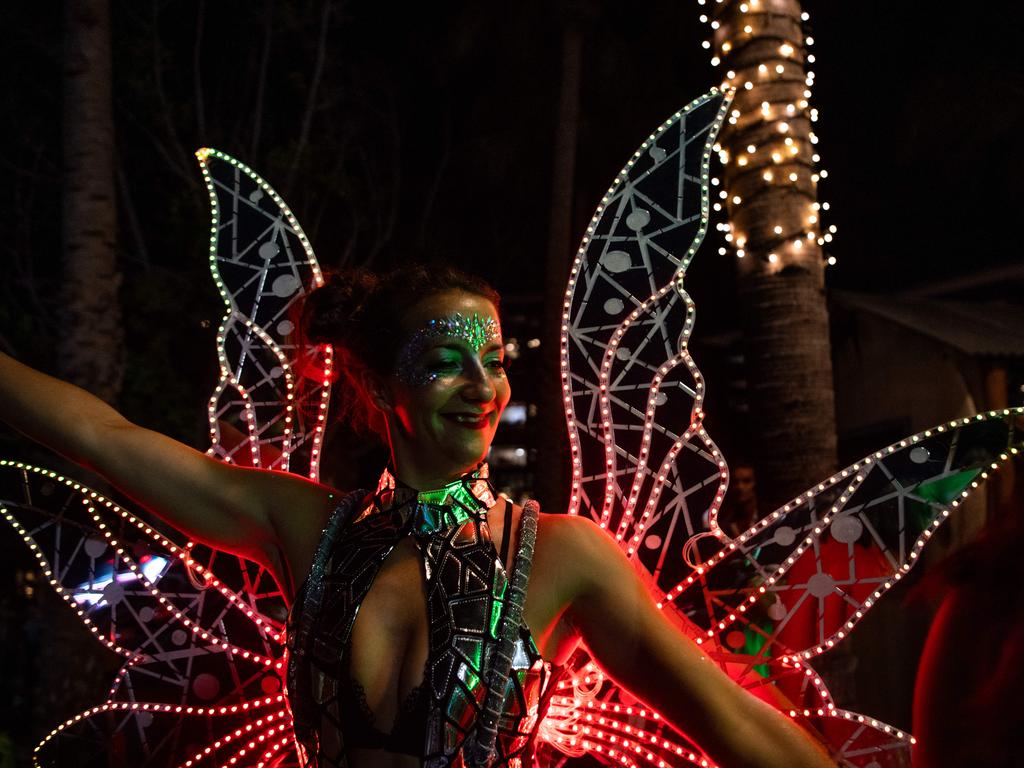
[[101, 511], [620, 193], [173, 709], [238, 325], [858, 471], [197, 630]]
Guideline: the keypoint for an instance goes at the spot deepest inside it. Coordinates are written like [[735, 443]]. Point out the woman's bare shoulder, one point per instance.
[[576, 530], [575, 541]]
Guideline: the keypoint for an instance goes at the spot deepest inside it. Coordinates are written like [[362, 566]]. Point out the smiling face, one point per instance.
[[443, 401]]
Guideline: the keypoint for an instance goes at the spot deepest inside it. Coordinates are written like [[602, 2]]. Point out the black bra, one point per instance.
[[359, 724]]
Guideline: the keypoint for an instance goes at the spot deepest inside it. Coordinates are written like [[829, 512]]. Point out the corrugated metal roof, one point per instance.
[[993, 328]]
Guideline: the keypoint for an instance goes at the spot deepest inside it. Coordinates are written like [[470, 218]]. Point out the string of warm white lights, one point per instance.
[[768, 147]]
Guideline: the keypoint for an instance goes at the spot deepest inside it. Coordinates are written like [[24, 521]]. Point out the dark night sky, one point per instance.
[[920, 116], [920, 126], [451, 111]]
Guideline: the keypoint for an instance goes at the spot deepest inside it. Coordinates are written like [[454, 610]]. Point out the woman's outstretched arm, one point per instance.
[[640, 649], [228, 507]]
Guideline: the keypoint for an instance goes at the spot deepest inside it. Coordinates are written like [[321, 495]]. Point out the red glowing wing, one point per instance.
[[617, 730], [199, 645], [254, 734], [798, 581], [269, 406], [805, 574], [643, 466], [647, 471], [590, 715]]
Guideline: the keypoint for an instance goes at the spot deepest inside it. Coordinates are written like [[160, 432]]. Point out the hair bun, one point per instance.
[[360, 314], [331, 311]]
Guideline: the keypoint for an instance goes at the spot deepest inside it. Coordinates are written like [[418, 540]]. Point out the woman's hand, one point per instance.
[[642, 651], [264, 516]]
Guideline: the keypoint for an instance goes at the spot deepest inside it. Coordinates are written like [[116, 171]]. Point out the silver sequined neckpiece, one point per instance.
[[472, 495]]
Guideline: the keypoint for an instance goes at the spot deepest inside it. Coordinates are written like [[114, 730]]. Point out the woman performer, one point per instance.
[[418, 560]]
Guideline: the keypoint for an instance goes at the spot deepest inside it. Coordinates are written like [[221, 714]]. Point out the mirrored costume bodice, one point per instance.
[[466, 587]]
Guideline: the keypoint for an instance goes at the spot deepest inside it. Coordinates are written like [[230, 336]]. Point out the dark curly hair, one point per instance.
[[360, 314]]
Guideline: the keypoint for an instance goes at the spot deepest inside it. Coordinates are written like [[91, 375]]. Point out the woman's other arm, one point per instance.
[[228, 507], [952, 666], [641, 650]]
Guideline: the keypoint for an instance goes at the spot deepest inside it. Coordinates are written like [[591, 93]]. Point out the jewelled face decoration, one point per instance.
[[476, 330]]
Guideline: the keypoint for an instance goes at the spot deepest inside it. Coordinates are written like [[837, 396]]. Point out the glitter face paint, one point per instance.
[[476, 330]]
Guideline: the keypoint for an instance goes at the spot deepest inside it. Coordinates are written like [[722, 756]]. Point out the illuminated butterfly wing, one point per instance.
[[643, 465], [200, 630], [269, 406], [796, 584], [647, 471], [201, 660], [793, 587]]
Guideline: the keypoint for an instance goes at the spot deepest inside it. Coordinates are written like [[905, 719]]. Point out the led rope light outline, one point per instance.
[[235, 315], [586, 732], [185, 554], [90, 499], [636, 740], [274, 749], [176, 709], [819, 525], [87, 498], [613, 346], [861, 468], [605, 408], [47, 571], [191, 624], [643, 471], [572, 423], [243, 731]]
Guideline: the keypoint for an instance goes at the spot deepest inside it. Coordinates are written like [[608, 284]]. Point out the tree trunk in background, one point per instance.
[[773, 214], [553, 474], [90, 337], [65, 667]]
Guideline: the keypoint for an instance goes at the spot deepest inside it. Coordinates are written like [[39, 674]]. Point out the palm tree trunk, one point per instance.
[[775, 227], [90, 347]]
